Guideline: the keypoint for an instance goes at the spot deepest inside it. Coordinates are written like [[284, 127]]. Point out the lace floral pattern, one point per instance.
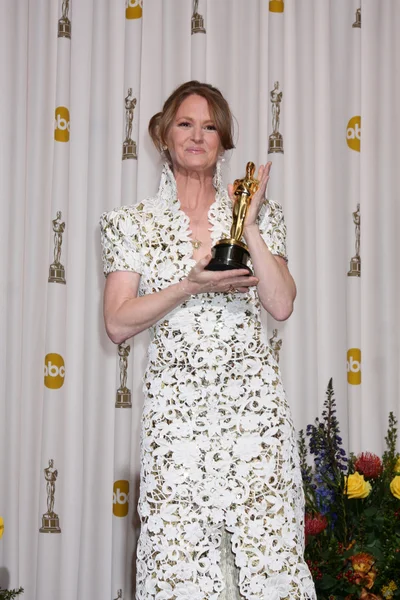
[[218, 447]]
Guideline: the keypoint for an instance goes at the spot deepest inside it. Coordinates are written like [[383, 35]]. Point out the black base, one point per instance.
[[228, 256]]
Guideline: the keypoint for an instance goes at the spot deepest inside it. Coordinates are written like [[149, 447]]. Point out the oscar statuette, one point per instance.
[[232, 253]]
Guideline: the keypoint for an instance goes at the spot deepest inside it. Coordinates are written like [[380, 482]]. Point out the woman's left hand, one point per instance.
[[258, 199]]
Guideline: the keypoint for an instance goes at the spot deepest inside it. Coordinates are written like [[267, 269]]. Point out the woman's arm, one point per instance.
[[125, 314], [276, 288]]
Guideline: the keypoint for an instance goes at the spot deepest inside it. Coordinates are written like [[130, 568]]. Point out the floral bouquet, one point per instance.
[[7, 594], [352, 522]]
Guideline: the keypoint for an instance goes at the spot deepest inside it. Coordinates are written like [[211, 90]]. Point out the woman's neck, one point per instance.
[[195, 189]]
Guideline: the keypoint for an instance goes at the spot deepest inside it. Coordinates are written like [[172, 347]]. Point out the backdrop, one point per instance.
[[80, 80]]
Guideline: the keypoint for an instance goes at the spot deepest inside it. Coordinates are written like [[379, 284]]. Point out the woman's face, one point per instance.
[[192, 139]]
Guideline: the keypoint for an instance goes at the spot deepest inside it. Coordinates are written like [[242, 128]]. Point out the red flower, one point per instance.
[[369, 464], [315, 524]]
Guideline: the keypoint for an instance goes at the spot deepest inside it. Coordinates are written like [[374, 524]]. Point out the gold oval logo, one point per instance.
[[134, 9], [54, 371], [354, 366], [61, 124], [121, 498], [276, 6], [353, 133]]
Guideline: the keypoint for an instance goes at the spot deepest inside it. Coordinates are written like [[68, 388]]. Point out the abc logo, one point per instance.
[[354, 366], [133, 9], [121, 498], [276, 6], [353, 133], [61, 124], [54, 371]]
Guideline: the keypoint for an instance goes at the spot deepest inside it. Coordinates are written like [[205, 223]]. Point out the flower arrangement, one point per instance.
[[7, 594], [352, 522]]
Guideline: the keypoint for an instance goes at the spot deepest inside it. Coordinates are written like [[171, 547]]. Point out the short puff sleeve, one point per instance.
[[273, 228], [120, 241]]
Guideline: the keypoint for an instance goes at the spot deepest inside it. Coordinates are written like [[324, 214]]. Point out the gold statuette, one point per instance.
[[64, 24], [275, 140], [50, 520], [355, 262], [57, 270], [124, 396], [357, 22], [129, 146], [197, 19], [232, 253]]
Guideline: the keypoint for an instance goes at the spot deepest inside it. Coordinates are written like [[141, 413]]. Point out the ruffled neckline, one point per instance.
[[168, 194]]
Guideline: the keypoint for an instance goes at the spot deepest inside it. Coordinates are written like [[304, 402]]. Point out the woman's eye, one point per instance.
[[211, 128], [184, 124]]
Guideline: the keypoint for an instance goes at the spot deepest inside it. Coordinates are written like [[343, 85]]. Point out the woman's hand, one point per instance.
[[201, 281], [257, 200]]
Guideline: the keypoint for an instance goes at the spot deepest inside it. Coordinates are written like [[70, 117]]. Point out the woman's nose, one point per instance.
[[197, 133]]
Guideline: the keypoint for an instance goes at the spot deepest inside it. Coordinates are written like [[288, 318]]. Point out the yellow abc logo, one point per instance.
[[61, 124], [54, 371], [134, 9], [354, 366], [353, 133], [276, 6], [121, 498]]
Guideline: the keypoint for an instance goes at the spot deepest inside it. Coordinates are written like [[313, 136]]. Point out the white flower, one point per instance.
[[128, 227], [248, 446], [277, 586], [186, 453], [188, 591], [193, 533]]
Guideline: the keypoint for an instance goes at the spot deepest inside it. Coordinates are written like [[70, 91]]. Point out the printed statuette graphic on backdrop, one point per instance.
[[357, 22], [197, 19], [64, 24], [133, 9], [129, 146], [275, 139], [50, 520], [119, 595], [124, 396], [57, 270], [275, 344], [355, 262], [276, 6]]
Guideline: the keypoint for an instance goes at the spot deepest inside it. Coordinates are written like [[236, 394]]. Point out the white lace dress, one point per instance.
[[219, 461]]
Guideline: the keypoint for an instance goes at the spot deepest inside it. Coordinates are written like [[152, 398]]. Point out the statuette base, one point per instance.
[[124, 399], [198, 24], [355, 267], [228, 255], [64, 28], [57, 274], [50, 523], [129, 150], [275, 143]]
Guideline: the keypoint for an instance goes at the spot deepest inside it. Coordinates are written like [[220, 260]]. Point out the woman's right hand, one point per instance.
[[201, 281]]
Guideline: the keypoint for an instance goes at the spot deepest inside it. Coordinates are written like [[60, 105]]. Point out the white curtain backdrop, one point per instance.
[[69, 440]]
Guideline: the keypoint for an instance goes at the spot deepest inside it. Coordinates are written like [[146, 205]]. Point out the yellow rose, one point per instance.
[[1, 527], [395, 486], [356, 486]]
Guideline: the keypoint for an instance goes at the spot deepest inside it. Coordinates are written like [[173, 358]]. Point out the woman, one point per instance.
[[219, 465]]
